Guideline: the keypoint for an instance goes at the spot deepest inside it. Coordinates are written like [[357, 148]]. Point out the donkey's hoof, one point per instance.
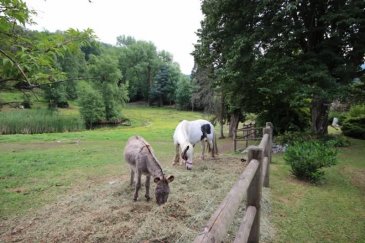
[[148, 198], [134, 199]]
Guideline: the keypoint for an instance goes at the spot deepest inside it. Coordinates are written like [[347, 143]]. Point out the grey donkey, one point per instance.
[[141, 159]]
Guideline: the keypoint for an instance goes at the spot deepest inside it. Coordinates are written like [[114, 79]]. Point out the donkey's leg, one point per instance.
[[138, 184], [132, 177], [203, 148], [177, 155], [148, 179]]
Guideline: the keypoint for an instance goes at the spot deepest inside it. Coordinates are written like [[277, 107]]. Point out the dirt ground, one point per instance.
[[104, 211]]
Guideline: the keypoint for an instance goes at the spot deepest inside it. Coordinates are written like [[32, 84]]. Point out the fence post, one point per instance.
[[254, 192], [269, 130]]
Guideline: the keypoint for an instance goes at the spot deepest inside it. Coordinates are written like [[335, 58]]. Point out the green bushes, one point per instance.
[[354, 127], [354, 124], [308, 158], [91, 106], [37, 121]]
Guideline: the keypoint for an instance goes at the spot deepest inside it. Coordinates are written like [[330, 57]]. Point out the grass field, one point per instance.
[[331, 212], [74, 187]]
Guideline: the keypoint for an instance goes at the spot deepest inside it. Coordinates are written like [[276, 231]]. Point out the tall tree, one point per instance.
[[106, 76], [283, 55]]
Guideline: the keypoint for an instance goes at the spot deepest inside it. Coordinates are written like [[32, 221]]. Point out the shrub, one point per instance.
[[354, 127], [92, 109], [357, 111], [354, 124], [292, 137], [308, 158], [336, 140]]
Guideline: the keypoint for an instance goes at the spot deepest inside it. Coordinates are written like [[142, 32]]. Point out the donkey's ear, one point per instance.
[[170, 178], [157, 179]]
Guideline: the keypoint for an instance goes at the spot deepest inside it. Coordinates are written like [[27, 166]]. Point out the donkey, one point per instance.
[[141, 159], [187, 134]]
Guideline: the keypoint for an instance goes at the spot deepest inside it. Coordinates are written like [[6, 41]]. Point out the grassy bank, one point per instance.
[[38, 121], [332, 212]]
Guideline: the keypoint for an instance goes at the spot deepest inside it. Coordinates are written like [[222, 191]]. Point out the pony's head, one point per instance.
[[187, 155]]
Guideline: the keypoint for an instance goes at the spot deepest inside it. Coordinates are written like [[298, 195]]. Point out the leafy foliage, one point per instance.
[[183, 93], [164, 86], [29, 58], [91, 106], [354, 127], [308, 158], [283, 55], [354, 123]]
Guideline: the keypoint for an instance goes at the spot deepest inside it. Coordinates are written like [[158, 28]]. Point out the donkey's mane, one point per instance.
[[146, 145]]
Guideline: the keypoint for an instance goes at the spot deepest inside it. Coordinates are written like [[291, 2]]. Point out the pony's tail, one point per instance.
[[213, 150]]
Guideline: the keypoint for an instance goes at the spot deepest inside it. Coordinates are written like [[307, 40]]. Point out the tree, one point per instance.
[[106, 76], [91, 106], [29, 58], [293, 54], [183, 93], [138, 62]]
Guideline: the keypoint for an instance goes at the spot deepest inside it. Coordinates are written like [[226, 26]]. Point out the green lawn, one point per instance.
[[331, 212], [34, 169]]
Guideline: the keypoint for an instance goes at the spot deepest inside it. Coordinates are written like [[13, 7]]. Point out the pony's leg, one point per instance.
[[148, 179], [177, 155], [203, 149], [132, 177], [138, 184], [212, 148]]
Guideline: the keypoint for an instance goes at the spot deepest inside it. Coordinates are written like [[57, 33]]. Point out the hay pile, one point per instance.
[[106, 213]]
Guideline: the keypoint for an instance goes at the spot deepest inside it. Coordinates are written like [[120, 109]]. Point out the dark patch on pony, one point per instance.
[[205, 130]]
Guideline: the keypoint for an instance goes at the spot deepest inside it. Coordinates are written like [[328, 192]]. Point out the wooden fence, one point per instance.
[[248, 185], [249, 132]]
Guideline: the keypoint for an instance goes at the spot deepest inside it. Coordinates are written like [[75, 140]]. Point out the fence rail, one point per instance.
[[249, 133], [249, 185]]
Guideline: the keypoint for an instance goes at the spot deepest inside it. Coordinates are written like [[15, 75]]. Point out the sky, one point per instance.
[[170, 24]]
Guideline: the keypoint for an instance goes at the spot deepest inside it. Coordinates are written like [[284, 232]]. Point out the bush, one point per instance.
[[357, 111], [292, 137], [354, 127], [336, 140], [92, 109], [354, 124], [308, 158]]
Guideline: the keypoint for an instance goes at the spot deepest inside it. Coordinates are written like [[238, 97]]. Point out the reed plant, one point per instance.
[[38, 121]]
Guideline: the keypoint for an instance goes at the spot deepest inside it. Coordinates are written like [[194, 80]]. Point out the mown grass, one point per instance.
[[34, 169], [331, 212], [38, 121]]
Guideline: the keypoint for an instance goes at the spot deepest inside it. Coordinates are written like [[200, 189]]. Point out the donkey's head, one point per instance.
[[187, 155], [162, 189]]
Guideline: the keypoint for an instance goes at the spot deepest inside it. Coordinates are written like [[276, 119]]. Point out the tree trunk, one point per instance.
[[319, 111], [233, 124], [221, 116]]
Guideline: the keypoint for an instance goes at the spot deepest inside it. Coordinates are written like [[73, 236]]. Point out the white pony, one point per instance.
[[187, 134]]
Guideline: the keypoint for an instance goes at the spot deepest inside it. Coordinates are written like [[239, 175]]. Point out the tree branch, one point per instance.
[[17, 65]]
